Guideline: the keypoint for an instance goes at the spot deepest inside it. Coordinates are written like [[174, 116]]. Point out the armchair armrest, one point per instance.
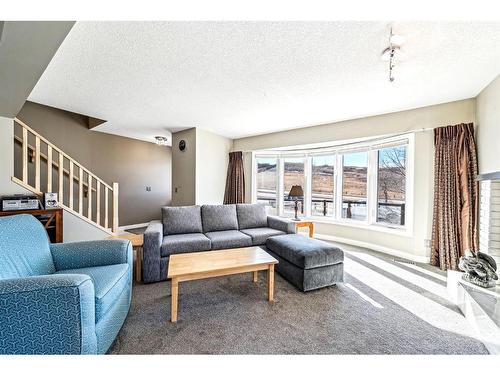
[[91, 254], [52, 314], [153, 238], [282, 224]]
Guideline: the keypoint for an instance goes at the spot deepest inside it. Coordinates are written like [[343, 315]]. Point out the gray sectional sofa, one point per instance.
[[204, 228]]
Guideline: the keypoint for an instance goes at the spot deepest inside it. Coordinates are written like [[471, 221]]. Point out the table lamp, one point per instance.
[[295, 193]]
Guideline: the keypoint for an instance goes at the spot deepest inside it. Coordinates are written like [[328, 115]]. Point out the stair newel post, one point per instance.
[[115, 207]]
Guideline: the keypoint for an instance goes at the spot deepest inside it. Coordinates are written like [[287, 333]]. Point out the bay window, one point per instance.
[[322, 183], [293, 174], [364, 184], [354, 185], [266, 183], [391, 185]]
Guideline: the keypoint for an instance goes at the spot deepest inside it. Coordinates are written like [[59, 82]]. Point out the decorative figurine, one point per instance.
[[480, 269]]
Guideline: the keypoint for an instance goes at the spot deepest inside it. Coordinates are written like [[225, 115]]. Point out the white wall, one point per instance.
[[488, 127], [74, 229], [212, 157], [410, 246]]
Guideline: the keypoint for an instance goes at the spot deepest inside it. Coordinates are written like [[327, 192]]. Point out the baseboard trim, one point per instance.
[[132, 226], [381, 249]]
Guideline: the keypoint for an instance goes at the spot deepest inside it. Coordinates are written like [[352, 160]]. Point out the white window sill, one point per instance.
[[402, 232]]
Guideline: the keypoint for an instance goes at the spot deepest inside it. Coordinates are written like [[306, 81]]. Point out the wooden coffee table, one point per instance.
[[205, 264]]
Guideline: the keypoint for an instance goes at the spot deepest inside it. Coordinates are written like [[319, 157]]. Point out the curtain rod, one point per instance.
[[347, 143]]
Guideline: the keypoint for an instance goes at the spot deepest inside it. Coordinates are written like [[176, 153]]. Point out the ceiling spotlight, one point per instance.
[[391, 53], [397, 40], [160, 140]]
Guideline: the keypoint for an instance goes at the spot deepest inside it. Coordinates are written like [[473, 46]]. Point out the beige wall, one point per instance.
[[411, 246], [133, 164], [488, 127], [184, 168], [212, 157], [199, 173]]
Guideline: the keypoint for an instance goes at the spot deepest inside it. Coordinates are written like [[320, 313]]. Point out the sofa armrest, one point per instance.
[[153, 238], [52, 314], [91, 254], [282, 224]]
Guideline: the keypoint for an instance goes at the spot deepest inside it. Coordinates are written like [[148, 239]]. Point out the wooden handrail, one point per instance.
[[76, 180]]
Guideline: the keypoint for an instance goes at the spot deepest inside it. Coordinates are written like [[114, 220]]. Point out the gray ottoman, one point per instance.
[[305, 262]]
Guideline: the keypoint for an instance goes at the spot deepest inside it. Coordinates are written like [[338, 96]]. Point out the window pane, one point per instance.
[[354, 181], [391, 185], [322, 185], [293, 176], [266, 183]]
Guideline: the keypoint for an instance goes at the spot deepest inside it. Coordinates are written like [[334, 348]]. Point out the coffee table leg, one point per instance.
[[255, 276], [270, 283], [175, 292]]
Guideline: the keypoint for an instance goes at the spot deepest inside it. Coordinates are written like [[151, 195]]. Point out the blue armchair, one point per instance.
[[60, 298]]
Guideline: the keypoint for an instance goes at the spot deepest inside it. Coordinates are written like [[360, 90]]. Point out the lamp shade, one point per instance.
[[296, 191]]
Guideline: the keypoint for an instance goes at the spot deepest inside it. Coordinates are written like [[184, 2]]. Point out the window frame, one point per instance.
[[375, 197], [371, 147], [309, 184], [254, 174], [306, 199]]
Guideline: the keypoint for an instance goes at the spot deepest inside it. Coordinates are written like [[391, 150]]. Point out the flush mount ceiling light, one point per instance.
[[160, 140], [393, 54]]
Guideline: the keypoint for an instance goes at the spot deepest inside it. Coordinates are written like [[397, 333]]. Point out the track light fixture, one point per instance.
[[391, 53]]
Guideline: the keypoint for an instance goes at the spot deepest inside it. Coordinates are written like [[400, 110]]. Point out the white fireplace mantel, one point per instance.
[[480, 306]]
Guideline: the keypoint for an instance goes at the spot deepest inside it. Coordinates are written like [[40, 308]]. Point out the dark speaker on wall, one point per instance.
[[182, 145]]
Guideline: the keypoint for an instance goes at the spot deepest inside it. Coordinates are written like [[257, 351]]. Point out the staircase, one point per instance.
[[42, 167]]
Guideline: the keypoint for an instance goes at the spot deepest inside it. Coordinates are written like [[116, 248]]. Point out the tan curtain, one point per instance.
[[235, 181], [455, 218]]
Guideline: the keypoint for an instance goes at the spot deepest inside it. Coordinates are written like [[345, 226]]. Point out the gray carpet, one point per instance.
[[230, 315]]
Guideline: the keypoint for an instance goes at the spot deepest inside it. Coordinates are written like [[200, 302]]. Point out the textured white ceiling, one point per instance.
[[244, 78]]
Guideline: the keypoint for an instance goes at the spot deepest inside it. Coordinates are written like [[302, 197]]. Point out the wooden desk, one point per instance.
[[205, 264], [137, 242], [52, 220], [306, 224]]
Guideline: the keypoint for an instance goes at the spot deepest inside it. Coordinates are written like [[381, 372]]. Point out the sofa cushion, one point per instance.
[[109, 283], [219, 217], [180, 220], [260, 235], [251, 216], [228, 239], [184, 243], [305, 252]]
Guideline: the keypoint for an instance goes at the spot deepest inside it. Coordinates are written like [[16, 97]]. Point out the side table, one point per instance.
[[137, 242], [306, 224]]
